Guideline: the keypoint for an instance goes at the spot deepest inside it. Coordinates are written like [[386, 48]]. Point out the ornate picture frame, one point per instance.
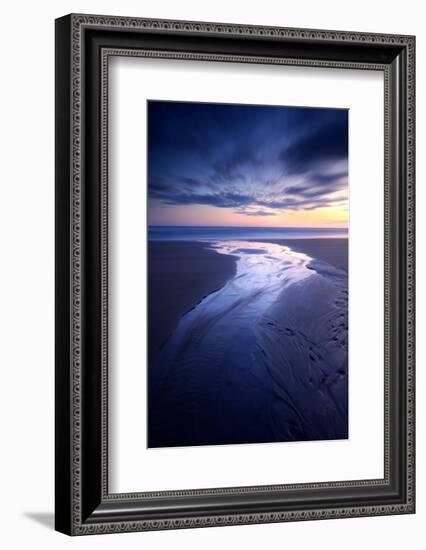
[[84, 45]]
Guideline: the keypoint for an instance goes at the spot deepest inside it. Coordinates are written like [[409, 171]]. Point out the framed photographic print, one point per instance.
[[234, 274]]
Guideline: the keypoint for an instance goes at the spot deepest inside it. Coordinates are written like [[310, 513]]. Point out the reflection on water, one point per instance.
[[262, 266]]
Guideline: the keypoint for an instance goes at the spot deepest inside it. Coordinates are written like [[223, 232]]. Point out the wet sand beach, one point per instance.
[[331, 251], [263, 357], [180, 275]]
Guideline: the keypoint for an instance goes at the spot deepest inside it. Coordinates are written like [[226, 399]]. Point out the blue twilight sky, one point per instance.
[[226, 164]]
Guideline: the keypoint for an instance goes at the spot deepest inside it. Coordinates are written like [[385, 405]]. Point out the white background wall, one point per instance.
[[26, 289]]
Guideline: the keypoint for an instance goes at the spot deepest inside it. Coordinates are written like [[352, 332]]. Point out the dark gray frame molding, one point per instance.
[[84, 44]]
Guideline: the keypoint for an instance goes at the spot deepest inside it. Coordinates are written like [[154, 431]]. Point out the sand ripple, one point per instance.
[[263, 359]]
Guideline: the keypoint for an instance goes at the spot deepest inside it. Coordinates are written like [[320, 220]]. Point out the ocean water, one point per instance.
[[199, 233]]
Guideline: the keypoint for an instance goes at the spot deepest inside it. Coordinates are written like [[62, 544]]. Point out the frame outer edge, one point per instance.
[[77, 256], [63, 497], [77, 22]]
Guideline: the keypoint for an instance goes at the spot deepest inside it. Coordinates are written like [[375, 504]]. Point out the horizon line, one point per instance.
[[250, 226]]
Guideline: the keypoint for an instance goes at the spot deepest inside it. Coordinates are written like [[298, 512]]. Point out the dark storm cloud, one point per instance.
[[318, 185], [256, 213], [189, 181], [251, 159], [326, 143]]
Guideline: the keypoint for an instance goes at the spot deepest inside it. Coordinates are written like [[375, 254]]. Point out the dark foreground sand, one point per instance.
[[180, 274]]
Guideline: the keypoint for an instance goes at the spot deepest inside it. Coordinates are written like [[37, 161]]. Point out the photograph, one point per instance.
[[248, 232]]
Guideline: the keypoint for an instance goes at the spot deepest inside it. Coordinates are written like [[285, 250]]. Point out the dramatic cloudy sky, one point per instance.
[[216, 164]]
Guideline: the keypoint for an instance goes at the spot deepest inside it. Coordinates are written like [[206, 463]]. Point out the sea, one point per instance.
[[208, 233]]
